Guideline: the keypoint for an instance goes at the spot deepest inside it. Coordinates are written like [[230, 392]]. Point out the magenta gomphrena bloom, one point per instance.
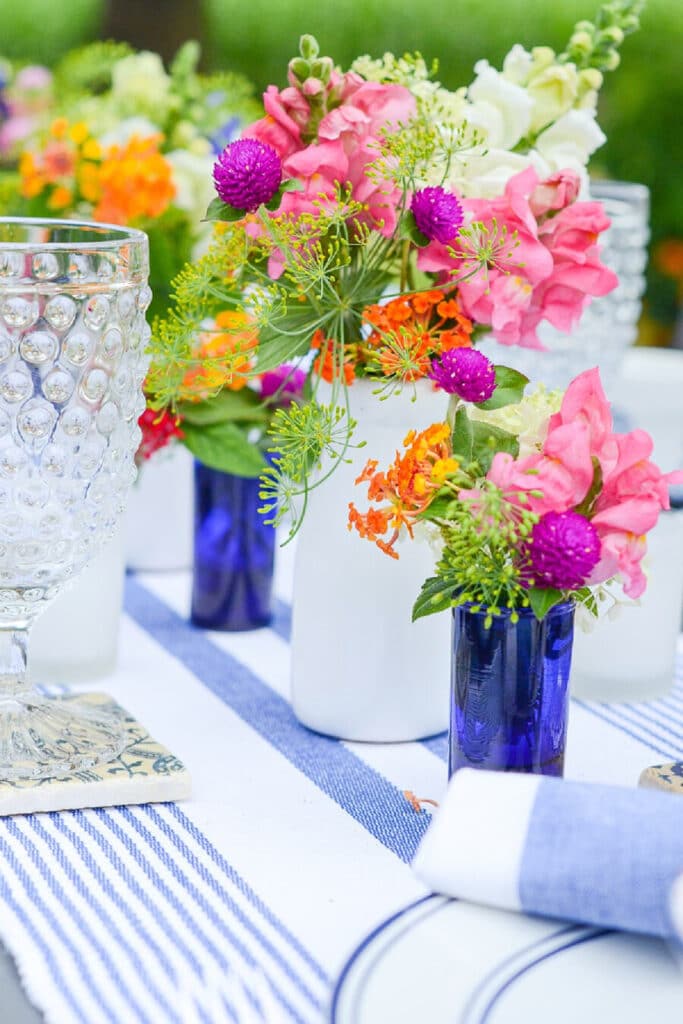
[[465, 372], [286, 381], [564, 549], [438, 213], [247, 173]]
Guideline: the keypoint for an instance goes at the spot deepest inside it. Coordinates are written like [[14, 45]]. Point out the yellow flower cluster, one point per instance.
[[120, 184]]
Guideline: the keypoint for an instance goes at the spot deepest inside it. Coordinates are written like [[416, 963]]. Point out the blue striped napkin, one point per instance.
[[600, 855]]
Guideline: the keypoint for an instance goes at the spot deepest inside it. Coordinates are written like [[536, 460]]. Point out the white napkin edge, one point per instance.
[[473, 849]]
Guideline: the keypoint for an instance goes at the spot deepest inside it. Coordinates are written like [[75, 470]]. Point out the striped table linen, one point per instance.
[[242, 904]]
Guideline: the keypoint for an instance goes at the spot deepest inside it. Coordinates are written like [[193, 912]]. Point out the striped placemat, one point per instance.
[[242, 904]]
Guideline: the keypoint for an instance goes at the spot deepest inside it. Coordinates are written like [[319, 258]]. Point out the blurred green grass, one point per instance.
[[40, 31]]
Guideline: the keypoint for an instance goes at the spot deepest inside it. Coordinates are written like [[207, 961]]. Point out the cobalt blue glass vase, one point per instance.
[[509, 690], [234, 553]]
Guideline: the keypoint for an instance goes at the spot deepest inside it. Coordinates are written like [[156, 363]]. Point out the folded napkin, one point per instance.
[[677, 907], [601, 855]]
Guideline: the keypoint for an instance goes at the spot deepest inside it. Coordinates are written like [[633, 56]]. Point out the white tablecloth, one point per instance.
[[243, 903]]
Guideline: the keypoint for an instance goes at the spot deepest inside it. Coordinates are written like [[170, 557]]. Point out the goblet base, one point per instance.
[[48, 737]]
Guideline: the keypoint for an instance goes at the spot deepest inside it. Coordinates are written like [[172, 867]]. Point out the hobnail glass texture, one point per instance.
[[609, 325], [234, 553], [72, 364], [509, 691]]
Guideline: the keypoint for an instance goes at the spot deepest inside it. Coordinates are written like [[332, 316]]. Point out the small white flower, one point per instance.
[[498, 107], [570, 141], [124, 131], [193, 181], [553, 92], [527, 419], [517, 65], [485, 175]]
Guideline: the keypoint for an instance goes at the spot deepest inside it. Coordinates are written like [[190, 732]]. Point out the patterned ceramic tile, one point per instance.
[[664, 776], [145, 772]]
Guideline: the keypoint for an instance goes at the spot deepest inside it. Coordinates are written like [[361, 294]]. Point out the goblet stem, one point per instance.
[[13, 662]]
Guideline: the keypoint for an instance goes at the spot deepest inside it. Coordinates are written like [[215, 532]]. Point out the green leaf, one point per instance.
[[436, 596], [218, 210], [243, 406], [224, 446], [510, 386], [291, 185], [487, 440], [586, 506], [439, 507], [542, 600], [409, 231], [463, 437], [275, 348]]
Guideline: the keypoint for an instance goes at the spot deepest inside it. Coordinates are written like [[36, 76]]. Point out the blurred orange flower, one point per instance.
[[228, 351], [136, 181]]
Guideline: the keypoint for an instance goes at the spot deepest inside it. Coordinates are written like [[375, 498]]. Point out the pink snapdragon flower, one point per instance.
[[339, 149], [544, 258], [633, 489]]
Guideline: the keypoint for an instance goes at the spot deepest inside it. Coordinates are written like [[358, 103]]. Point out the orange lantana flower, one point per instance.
[[327, 365], [407, 487], [410, 331]]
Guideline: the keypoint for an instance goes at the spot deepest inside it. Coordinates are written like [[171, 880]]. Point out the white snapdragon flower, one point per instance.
[[485, 175], [553, 92], [193, 181], [527, 419], [517, 65], [571, 141], [141, 82], [498, 107]]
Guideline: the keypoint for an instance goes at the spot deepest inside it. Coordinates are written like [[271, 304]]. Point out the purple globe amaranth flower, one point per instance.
[[465, 372], [563, 550], [286, 381], [247, 173], [438, 213]]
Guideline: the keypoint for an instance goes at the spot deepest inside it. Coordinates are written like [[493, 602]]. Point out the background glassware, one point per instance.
[[234, 553], [608, 326], [72, 340], [509, 690]]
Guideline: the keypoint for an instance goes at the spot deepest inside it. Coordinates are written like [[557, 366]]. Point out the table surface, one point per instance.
[[293, 847]]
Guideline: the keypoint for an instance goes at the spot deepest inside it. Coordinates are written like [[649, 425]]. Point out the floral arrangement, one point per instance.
[[535, 500], [122, 140], [372, 222]]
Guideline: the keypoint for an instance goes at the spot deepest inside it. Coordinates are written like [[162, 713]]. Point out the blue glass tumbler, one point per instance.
[[509, 690], [234, 553]]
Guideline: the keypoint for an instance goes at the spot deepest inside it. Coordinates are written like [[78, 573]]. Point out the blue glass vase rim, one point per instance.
[[561, 608]]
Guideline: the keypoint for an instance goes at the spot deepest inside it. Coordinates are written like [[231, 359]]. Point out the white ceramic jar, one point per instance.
[[76, 638], [159, 521], [361, 670]]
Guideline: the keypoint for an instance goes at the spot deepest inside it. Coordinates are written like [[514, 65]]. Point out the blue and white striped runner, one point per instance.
[[244, 903]]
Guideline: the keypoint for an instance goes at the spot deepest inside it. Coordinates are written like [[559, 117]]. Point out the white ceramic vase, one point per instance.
[[159, 521], [75, 639], [361, 670], [633, 657]]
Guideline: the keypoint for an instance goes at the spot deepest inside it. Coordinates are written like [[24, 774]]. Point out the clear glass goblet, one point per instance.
[[72, 364]]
